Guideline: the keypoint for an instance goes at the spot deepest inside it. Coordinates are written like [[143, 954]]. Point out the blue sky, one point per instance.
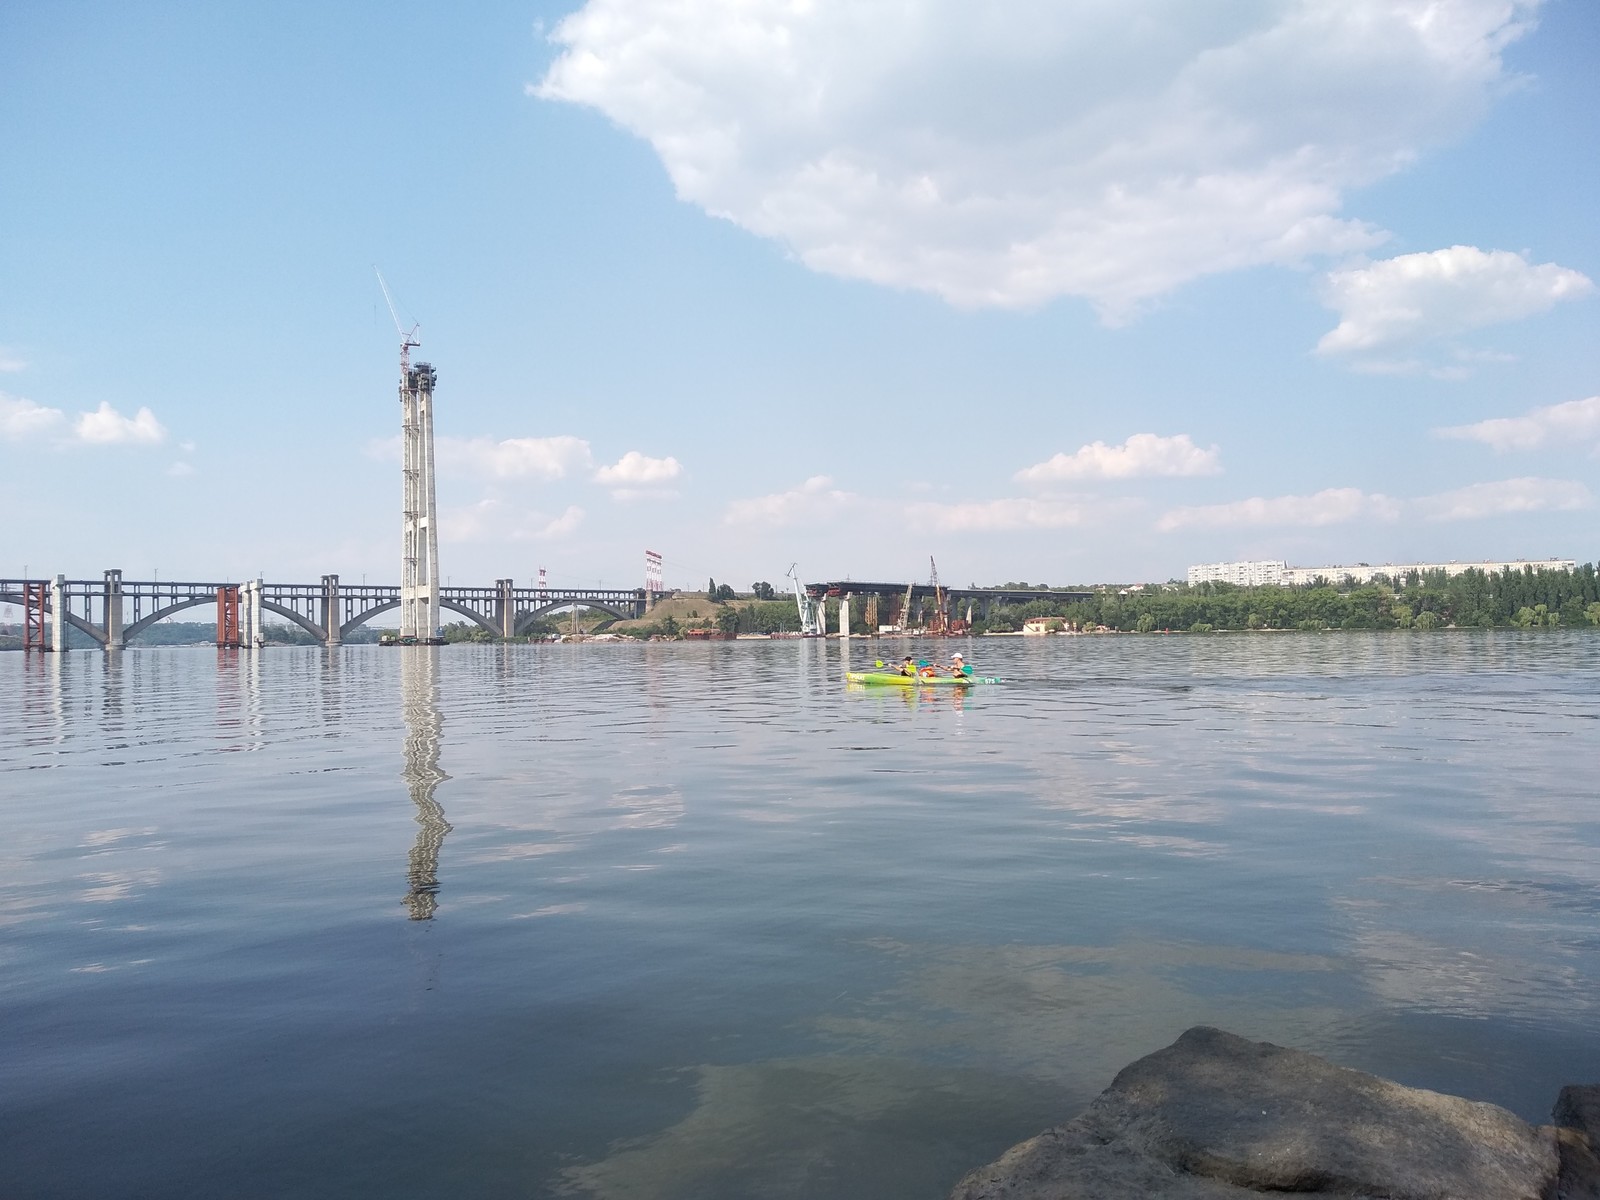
[[1068, 292]]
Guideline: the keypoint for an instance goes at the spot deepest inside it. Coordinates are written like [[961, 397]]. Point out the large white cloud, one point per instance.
[[996, 516], [106, 426], [1419, 297], [815, 499], [1006, 154], [21, 418], [513, 458], [492, 520], [1574, 422], [1142, 454], [1331, 506], [1506, 497], [636, 470], [1334, 506]]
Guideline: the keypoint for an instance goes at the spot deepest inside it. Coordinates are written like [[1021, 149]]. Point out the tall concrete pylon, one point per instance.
[[419, 555]]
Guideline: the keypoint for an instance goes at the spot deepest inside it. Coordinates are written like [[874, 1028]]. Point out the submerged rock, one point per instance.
[[1214, 1116]]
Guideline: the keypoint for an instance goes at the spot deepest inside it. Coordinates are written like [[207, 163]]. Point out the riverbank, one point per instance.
[[1214, 1116]]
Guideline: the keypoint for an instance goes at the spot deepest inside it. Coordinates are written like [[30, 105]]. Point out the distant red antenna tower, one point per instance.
[[541, 585], [652, 572]]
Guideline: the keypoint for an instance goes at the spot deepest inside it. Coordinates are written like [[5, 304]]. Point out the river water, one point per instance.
[[698, 920]]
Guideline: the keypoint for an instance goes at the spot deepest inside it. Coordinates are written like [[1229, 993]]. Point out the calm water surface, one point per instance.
[[698, 921]]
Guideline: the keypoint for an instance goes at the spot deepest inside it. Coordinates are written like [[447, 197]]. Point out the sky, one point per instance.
[[1063, 291]]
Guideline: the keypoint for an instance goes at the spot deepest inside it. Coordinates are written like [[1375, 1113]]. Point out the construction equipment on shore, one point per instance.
[[937, 625], [811, 617]]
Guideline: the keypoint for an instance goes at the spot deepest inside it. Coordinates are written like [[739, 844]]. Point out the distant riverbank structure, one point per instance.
[[1273, 573]]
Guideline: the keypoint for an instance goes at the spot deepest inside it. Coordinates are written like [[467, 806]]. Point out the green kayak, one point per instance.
[[895, 679]]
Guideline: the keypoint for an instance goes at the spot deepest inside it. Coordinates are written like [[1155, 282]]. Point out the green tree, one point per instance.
[[728, 621], [763, 591]]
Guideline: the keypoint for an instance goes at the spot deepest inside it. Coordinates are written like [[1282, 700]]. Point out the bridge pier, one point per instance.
[[844, 615], [505, 608], [58, 614], [113, 610], [330, 610]]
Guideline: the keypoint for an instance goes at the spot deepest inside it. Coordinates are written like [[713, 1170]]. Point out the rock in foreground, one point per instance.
[[1216, 1117]]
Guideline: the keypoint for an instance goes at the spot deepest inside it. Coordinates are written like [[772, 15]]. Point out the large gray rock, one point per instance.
[[1577, 1117], [1216, 1117]]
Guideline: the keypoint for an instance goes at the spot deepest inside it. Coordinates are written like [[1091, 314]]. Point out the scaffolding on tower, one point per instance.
[[419, 547], [34, 599]]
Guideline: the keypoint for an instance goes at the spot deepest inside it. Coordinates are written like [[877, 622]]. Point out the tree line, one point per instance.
[[1477, 599]]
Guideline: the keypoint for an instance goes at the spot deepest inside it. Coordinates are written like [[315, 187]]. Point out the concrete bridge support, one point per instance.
[[844, 615], [505, 608], [58, 614], [113, 610], [252, 633], [330, 610]]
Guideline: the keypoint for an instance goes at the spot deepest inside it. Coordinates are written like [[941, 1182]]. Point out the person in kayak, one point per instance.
[[926, 669], [909, 666], [958, 666]]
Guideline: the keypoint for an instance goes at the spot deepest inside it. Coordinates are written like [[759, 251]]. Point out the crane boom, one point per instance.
[[810, 617], [408, 339]]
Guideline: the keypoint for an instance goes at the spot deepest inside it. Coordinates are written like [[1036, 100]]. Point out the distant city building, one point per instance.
[[1266, 574], [1244, 574]]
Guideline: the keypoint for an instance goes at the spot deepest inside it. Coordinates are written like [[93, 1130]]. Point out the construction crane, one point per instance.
[[810, 610], [408, 339], [936, 626]]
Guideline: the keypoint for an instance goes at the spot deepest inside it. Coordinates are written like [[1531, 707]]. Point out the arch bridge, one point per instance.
[[112, 610]]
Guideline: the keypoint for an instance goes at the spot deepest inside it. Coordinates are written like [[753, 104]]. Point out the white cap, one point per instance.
[[957, 654]]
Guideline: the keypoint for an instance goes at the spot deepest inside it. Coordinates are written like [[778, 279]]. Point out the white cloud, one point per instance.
[[1331, 506], [1420, 297], [1337, 505], [510, 458], [21, 418], [545, 529], [1575, 421], [1506, 497], [996, 516], [815, 499], [491, 520], [10, 362], [1142, 454], [106, 426], [635, 470], [1007, 154]]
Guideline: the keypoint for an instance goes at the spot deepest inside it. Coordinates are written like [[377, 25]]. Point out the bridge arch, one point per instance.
[[527, 616], [132, 631], [305, 623], [72, 619], [129, 632], [362, 618]]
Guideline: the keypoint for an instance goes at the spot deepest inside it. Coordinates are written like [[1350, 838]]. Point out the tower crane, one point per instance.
[[408, 338]]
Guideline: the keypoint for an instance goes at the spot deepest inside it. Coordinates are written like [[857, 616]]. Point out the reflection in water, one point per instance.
[[419, 702]]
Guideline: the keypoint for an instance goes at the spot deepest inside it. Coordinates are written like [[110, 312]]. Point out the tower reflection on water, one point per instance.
[[419, 701]]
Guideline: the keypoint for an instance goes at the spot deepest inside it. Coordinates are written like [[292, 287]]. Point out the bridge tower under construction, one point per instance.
[[419, 554]]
